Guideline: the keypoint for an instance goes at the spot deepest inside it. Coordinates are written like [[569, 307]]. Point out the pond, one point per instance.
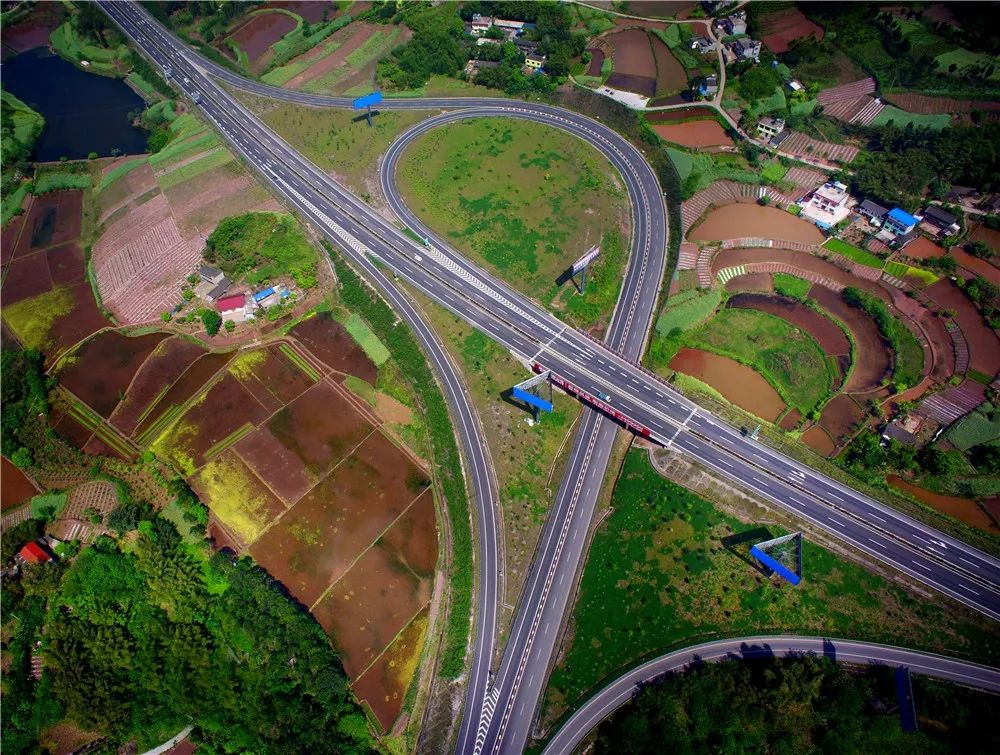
[[83, 112]]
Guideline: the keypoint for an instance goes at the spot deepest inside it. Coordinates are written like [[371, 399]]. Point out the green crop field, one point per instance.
[[118, 171], [367, 340], [525, 199], [853, 253], [774, 171], [791, 286], [683, 161], [209, 161], [902, 119], [686, 311], [974, 429], [788, 358], [660, 576]]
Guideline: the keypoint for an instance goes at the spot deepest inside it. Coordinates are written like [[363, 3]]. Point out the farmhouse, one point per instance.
[[534, 61], [770, 127], [219, 289], [746, 49], [703, 45], [473, 67], [709, 86], [211, 275], [34, 553], [941, 220], [828, 205], [232, 307], [481, 24], [518, 27], [525, 46], [734, 24], [873, 211], [899, 222]]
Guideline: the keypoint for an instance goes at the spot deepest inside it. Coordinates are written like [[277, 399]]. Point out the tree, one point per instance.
[[212, 321], [22, 458], [939, 463], [166, 316], [986, 459], [980, 249], [230, 326]]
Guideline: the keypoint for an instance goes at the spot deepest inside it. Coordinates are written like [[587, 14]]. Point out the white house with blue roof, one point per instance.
[[900, 222]]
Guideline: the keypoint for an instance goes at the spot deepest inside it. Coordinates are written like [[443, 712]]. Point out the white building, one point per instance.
[[828, 205]]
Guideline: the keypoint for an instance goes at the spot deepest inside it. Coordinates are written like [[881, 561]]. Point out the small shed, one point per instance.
[[34, 553]]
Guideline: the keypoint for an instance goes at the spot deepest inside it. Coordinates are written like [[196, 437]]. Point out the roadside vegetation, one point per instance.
[[262, 246], [794, 705], [667, 569], [507, 194]]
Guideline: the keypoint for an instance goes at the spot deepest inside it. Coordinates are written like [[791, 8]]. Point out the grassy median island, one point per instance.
[[660, 576], [524, 199], [788, 358]]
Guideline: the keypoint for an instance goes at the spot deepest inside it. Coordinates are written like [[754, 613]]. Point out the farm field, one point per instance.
[[644, 64], [47, 301], [732, 380], [778, 30], [505, 193], [742, 220], [706, 133], [923, 104], [668, 568], [155, 213], [295, 469], [15, 487]]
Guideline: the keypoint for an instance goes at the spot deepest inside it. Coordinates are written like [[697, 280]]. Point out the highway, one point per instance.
[[622, 689], [507, 701]]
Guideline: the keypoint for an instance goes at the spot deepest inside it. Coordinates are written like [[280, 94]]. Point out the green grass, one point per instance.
[[262, 246], [32, 319], [12, 203], [902, 119], [61, 181], [915, 275], [362, 388], [853, 253], [522, 198], [683, 161], [296, 43], [148, 90], [659, 577], [792, 286], [603, 284], [28, 123], [48, 505], [689, 311], [774, 171], [367, 340], [973, 430], [118, 171], [788, 358], [182, 148], [671, 37], [776, 101], [194, 168], [69, 45]]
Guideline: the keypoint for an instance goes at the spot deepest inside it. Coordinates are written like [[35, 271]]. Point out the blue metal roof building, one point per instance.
[[899, 221], [261, 295]]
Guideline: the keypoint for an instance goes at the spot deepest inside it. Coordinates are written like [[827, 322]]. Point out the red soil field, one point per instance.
[[840, 416], [751, 282], [596, 61], [790, 420], [679, 9], [694, 133], [923, 248], [225, 409], [984, 346], [165, 365], [383, 686], [256, 36], [54, 218], [781, 28], [741, 220], [8, 238], [872, 359], [97, 447], [69, 428], [368, 606], [739, 384], [31, 32], [928, 105], [15, 487], [817, 439], [659, 116], [670, 74], [635, 66], [332, 344], [277, 380], [320, 428], [190, 381], [337, 519], [66, 264], [84, 318], [104, 366], [311, 10], [413, 537], [980, 232], [827, 333], [283, 471], [961, 508], [27, 276], [351, 37]]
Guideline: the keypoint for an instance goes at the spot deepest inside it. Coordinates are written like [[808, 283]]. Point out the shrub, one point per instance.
[[212, 321]]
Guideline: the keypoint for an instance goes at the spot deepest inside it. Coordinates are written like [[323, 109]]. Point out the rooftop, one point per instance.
[[229, 303], [902, 217]]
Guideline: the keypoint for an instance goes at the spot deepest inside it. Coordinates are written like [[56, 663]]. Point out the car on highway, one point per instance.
[[605, 397]]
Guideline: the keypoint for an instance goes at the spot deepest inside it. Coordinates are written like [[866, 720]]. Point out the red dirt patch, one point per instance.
[[54, 218], [256, 36], [352, 37], [283, 471], [671, 77], [961, 508], [790, 420], [817, 439], [320, 428], [840, 417], [27, 276], [66, 264], [332, 344], [777, 30], [741, 220], [751, 282], [310, 10], [739, 384], [15, 486], [694, 133], [103, 367], [635, 65], [596, 61], [188, 384], [872, 359], [928, 105], [984, 346], [225, 409]]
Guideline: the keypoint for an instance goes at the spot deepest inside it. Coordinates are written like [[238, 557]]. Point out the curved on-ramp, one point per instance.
[[622, 689]]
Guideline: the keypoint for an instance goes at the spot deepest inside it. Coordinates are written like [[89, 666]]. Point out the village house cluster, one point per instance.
[[506, 31], [213, 286]]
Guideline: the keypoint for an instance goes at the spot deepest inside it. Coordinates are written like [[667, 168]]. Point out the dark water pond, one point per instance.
[[83, 112]]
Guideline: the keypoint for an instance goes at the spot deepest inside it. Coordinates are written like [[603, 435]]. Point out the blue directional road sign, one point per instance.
[[775, 565], [372, 98], [531, 399]]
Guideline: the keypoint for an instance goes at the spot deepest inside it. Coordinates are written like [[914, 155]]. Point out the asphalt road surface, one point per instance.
[[639, 399], [622, 689]]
